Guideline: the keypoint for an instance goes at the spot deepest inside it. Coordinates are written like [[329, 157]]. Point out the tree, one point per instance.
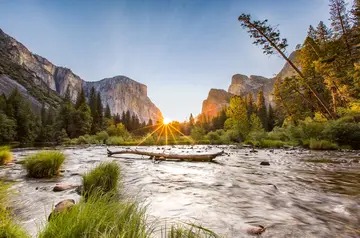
[[312, 32], [100, 111], [107, 112], [238, 120], [7, 129], [81, 100], [271, 42], [355, 12], [340, 22], [261, 109], [323, 34], [271, 118]]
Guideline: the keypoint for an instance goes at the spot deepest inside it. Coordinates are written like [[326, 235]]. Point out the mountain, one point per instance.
[[243, 85], [41, 81]]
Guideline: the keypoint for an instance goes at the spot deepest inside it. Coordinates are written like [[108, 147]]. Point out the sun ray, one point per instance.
[[149, 135], [191, 140], [172, 134], [159, 136]]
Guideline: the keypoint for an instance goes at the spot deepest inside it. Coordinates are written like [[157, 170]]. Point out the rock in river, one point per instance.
[[62, 206], [264, 163], [63, 186]]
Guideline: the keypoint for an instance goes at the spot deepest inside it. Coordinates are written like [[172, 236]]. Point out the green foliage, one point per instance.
[[322, 145], [198, 133], [344, 132], [102, 179], [190, 231], [118, 130], [238, 120], [99, 216], [5, 155], [272, 143], [7, 128], [116, 140], [44, 164], [102, 136]]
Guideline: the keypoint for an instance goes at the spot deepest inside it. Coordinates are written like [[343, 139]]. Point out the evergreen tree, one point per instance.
[[238, 120], [312, 32], [100, 111], [81, 100], [271, 118], [261, 109], [323, 34], [340, 22], [107, 112]]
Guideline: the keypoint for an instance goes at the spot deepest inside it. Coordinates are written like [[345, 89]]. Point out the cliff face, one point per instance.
[[120, 93], [240, 85], [123, 93], [216, 100]]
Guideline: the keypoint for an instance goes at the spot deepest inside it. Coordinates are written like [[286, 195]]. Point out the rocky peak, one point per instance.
[[120, 92], [216, 100]]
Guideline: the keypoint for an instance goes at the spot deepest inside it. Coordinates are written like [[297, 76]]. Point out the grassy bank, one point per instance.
[[8, 227], [44, 164]]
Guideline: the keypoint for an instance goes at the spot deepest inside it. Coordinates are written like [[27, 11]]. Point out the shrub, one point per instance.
[[322, 145], [102, 179], [115, 140], [5, 155], [118, 130], [102, 136], [99, 216], [44, 164], [272, 143], [344, 133]]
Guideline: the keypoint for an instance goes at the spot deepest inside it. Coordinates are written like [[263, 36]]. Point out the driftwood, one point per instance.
[[163, 156]]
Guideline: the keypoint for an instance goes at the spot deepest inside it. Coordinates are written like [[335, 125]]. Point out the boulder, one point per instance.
[[266, 163], [63, 186], [255, 230], [62, 206]]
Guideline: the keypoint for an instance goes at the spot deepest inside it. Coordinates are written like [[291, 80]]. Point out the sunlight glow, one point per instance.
[[166, 121]]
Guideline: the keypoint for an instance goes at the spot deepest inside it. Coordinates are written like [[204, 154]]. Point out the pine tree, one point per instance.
[[107, 112], [340, 22], [100, 112], [323, 34], [238, 120], [312, 32], [271, 118], [261, 109], [81, 100]]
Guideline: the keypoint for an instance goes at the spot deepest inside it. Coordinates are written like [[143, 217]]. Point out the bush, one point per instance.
[[272, 143], [115, 140], [44, 164], [118, 130], [99, 216], [344, 132], [102, 136], [102, 179], [5, 155], [322, 145]]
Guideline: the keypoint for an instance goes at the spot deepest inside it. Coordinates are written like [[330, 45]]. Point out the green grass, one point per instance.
[[190, 231], [322, 145], [44, 164], [272, 143], [99, 216], [5, 155], [102, 179], [8, 228]]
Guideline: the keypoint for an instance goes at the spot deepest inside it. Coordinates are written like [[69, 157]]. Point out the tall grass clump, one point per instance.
[[190, 231], [5, 155], [44, 164], [102, 179], [99, 216], [8, 228]]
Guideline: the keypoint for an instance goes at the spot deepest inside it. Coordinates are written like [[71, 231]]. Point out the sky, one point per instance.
[[180, 49]]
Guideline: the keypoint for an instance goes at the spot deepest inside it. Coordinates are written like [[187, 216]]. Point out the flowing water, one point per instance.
[[292, 197]]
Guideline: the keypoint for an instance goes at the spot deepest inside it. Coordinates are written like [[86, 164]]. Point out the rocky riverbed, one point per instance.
[[295, 193]]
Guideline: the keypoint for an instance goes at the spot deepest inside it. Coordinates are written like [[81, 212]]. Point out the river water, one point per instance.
[[292, 197]]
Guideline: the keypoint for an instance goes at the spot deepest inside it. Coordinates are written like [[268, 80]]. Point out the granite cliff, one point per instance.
[[41, 81], [243, 85]]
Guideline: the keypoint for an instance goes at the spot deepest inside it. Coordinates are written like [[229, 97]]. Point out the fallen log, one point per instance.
[[163, 156]]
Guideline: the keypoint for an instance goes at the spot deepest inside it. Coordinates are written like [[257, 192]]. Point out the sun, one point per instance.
[[166, 121]]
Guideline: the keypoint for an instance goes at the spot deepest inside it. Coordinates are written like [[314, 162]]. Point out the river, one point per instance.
[[292, 196]]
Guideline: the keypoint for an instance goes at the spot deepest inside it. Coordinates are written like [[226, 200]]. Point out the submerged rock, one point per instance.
[[256, 230]]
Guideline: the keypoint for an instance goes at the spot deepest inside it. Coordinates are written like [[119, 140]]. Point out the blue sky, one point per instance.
[[178, 48]]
